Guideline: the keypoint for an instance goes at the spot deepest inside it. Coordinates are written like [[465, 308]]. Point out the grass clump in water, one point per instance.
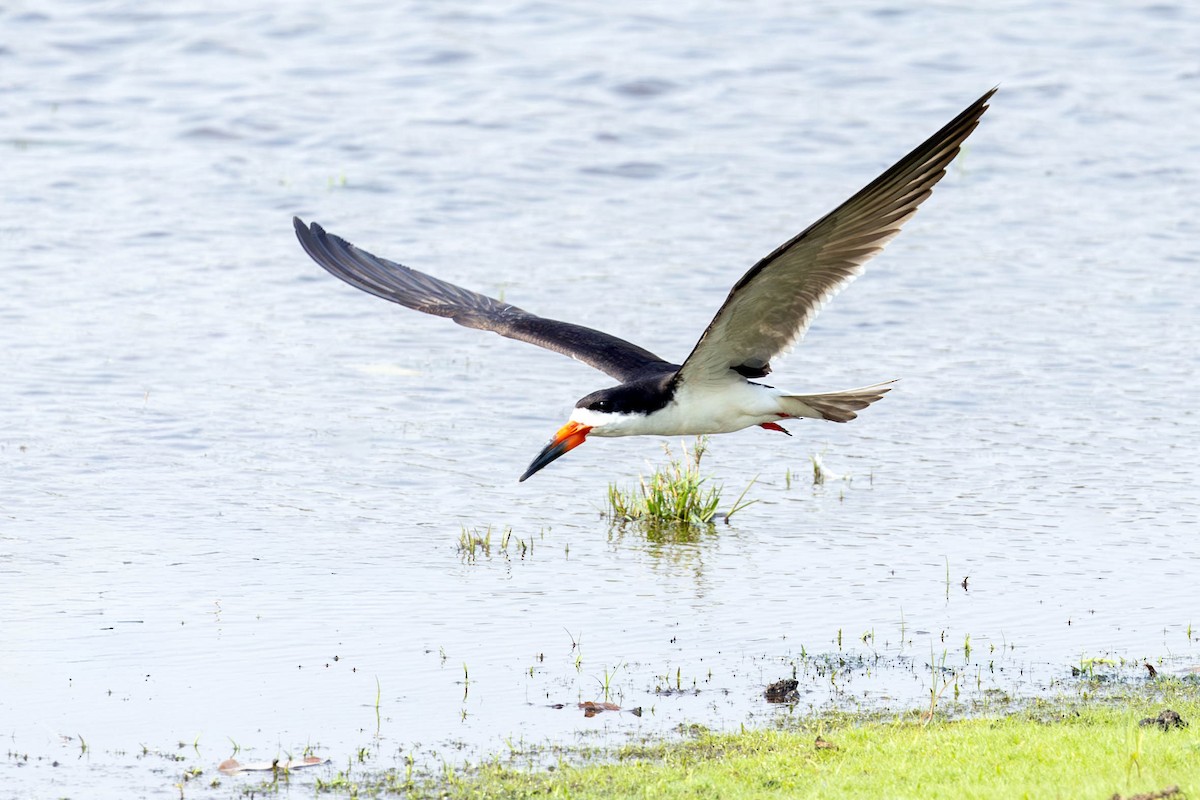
[[473, 543], [675, 495]]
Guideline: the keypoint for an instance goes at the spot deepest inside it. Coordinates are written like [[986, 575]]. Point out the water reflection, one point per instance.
[[673, 548]]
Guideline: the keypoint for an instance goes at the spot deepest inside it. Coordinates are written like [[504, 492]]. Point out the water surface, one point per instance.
[[232, 487]]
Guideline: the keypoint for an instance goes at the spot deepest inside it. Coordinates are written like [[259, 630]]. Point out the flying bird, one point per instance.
[[716, 388]]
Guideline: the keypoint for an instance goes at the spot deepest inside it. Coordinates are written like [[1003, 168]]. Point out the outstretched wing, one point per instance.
[[770, 308], [422, 292]]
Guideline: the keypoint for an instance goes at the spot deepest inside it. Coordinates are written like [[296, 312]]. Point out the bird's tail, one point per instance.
[[834, 406]]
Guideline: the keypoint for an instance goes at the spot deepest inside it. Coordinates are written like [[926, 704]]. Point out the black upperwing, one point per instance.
[[416, 290], [770, 308]]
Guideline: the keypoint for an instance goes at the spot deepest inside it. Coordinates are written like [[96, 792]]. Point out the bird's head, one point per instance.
[[619, 411]]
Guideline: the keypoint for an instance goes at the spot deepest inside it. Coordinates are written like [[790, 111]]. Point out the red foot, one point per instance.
[[771, 426]]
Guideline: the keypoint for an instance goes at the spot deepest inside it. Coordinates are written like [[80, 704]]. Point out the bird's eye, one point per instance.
[[602, 405]]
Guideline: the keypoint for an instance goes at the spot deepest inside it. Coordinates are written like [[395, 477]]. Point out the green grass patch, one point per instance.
[[1069, 749], [676, 499]]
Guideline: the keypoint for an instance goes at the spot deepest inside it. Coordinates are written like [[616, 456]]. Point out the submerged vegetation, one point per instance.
[[676, 497]]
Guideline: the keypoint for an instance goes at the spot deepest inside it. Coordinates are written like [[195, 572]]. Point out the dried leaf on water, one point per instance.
[[591, 709]]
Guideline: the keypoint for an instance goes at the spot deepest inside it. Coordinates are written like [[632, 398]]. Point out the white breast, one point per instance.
[[721, 408]]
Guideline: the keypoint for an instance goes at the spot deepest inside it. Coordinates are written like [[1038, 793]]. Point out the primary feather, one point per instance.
[[770, 308]]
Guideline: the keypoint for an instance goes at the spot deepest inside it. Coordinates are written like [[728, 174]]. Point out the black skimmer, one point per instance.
[[715, 390]]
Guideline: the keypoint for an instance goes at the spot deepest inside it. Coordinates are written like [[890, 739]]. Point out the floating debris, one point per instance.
[[1161, 794], [784, 691], [591, 709], [1167, 720], [232, 767]]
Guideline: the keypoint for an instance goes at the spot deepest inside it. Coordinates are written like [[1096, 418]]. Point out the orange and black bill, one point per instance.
[[569, 437]]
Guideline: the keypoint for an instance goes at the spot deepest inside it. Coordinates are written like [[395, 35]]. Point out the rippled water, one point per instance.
[[232, 488]]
